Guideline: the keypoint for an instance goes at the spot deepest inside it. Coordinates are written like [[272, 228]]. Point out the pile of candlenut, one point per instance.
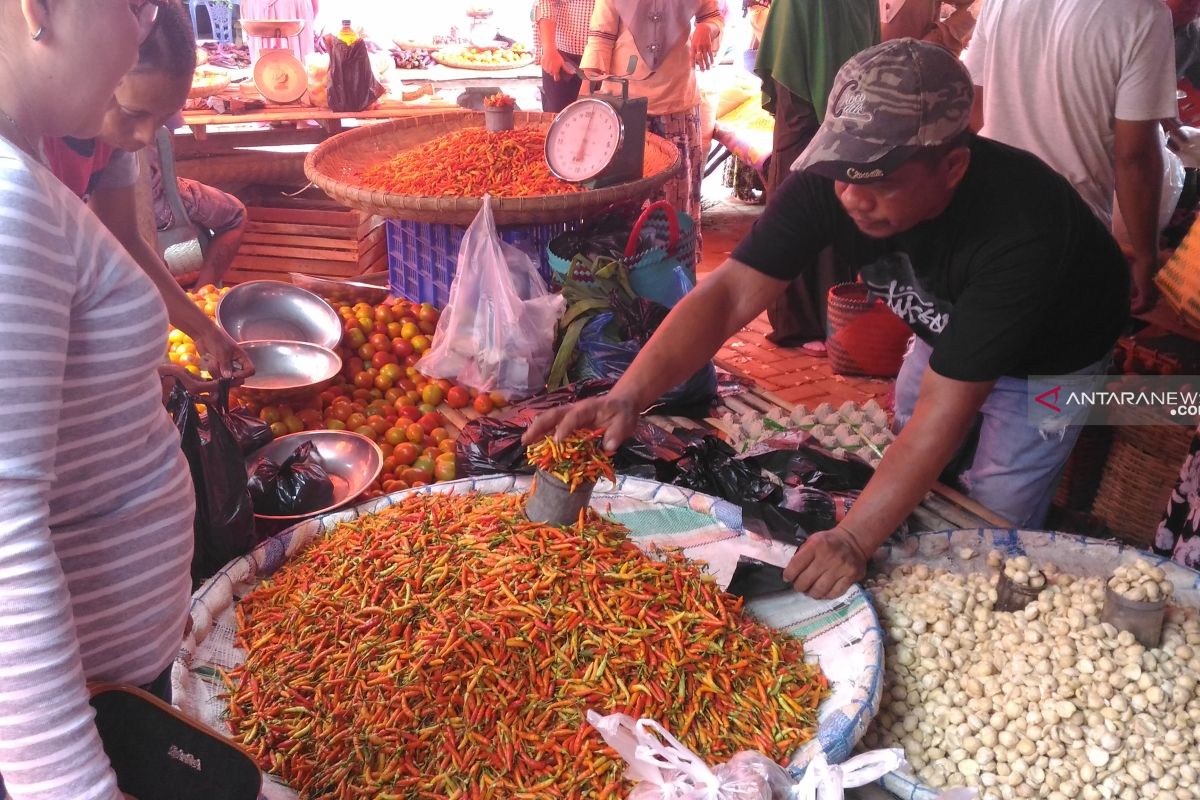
[[1046, 702]]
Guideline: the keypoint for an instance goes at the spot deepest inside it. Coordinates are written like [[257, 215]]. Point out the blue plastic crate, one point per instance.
[[423, 256]]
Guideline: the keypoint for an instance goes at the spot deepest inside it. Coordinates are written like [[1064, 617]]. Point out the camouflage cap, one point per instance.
[[887, 102]]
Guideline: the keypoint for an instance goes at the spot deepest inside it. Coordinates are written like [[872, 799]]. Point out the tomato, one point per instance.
[[269, 415], [279, 429], [383, 313], [366, 352], [335, 425], [445, 467], [424, 463], [294, 423], [366, 324], [311, 418], [392, 394], [427, 313], [439, 434], [446, 445], [356, 419], [361, 396], [420, 343], [389, 465], [410, 411], [378, 424], [405, 454], [401, 347], [408, 330], [380, 341], [363, 380], [433, 394], [393, 330], [483, 404], [414, 397], [415, 477], [415, 433], [425, 408], [393, 371], [430, 421], [367, 431], [498, 400], [457, 397], [427, 328], [382, 359], [383, 382], [363, 309], [395, 436], [355, 338]]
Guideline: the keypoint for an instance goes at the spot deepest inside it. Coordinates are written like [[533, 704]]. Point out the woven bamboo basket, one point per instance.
[[332, 167], [1134, 489], [279, 169], [1081, 476]]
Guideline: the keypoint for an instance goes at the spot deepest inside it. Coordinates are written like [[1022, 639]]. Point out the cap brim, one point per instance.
[[842, 157]]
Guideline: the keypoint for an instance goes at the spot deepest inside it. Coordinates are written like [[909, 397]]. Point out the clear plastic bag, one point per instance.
[[662, 768], [497, 332]]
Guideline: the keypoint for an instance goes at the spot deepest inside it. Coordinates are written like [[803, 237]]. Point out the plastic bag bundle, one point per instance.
[[663, 768], [497, 332], [300, 485]]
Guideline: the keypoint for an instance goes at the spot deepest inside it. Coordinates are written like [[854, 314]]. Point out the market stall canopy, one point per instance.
[[335, 165]]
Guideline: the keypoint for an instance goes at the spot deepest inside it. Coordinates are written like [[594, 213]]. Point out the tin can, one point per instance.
[[550, 500], [1142, 618]]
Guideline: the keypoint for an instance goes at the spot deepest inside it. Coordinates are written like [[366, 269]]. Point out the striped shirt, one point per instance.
[[571, 18], [96, 501]]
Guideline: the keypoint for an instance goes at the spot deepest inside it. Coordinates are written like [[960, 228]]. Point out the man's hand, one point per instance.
[[1144, 293], [222, 357], [702, 46], [552, 63], [827, 564], [615, 414]]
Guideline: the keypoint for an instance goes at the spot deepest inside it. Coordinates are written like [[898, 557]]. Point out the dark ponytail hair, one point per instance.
[[171, 46]]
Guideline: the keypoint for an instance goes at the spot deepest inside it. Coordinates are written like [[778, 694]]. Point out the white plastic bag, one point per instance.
[[1172, 189], [663, 768], [497, 332]]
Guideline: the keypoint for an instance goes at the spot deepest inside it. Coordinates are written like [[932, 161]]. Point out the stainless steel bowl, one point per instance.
[[279, 311], [288, 371], [272, 28], [352, 460]]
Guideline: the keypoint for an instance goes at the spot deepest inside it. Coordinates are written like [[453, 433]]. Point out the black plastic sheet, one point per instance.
[[817, 469], [753, 578]]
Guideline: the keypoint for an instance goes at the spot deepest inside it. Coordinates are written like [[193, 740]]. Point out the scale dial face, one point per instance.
[[583, 140]]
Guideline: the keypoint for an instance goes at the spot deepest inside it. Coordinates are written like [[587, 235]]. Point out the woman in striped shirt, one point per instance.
[[96, 503]]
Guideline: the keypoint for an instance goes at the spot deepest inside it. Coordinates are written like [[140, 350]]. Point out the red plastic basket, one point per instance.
[[865, 337]]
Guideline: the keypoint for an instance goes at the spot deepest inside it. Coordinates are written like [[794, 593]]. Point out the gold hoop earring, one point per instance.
[[37, 37]]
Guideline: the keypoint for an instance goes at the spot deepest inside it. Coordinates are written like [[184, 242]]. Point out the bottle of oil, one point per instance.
[[347, 34]]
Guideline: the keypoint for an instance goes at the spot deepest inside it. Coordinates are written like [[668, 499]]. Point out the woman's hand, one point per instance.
[[222, 357], [169, 373]]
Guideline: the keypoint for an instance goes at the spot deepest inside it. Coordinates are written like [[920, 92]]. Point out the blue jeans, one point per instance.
[[1018, 461]]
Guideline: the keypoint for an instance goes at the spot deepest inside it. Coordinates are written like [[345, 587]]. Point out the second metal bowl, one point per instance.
[[288, 371], [352, 461], [279, 311]]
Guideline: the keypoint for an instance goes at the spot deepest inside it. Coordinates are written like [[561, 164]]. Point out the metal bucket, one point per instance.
[[1012, 596], [551, 501], [498, 119], [1144, 619]]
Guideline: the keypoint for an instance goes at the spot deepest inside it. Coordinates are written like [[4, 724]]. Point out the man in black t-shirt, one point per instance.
[[994, 260]]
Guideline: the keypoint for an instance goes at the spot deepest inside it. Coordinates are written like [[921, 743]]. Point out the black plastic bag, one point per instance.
[[817, 469], [248, 431], [298, 486], [352, 83], [711, 466], [753, 578], [783, 524], [224, 524]]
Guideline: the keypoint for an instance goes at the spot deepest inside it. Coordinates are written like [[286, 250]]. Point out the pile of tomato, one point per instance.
[[380, 393]]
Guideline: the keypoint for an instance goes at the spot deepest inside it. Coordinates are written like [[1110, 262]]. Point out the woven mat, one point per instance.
[[843, 634]]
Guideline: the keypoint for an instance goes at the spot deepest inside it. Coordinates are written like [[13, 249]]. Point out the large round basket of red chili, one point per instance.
[[434, 642], [436, 168]]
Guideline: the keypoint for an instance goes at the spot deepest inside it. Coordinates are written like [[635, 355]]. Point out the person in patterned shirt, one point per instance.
[[562, 27]]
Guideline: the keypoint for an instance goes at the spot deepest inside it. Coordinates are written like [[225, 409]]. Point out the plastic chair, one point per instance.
[[220, 18], [183, 244]]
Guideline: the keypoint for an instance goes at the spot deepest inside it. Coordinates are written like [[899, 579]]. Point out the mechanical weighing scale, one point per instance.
[[599, 140], [279, 76]]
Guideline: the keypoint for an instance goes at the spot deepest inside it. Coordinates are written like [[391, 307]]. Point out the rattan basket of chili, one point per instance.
[[347, 168]]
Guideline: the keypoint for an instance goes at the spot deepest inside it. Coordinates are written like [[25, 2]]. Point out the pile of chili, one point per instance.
[[448, 648], [577, 459], [470, 162]]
